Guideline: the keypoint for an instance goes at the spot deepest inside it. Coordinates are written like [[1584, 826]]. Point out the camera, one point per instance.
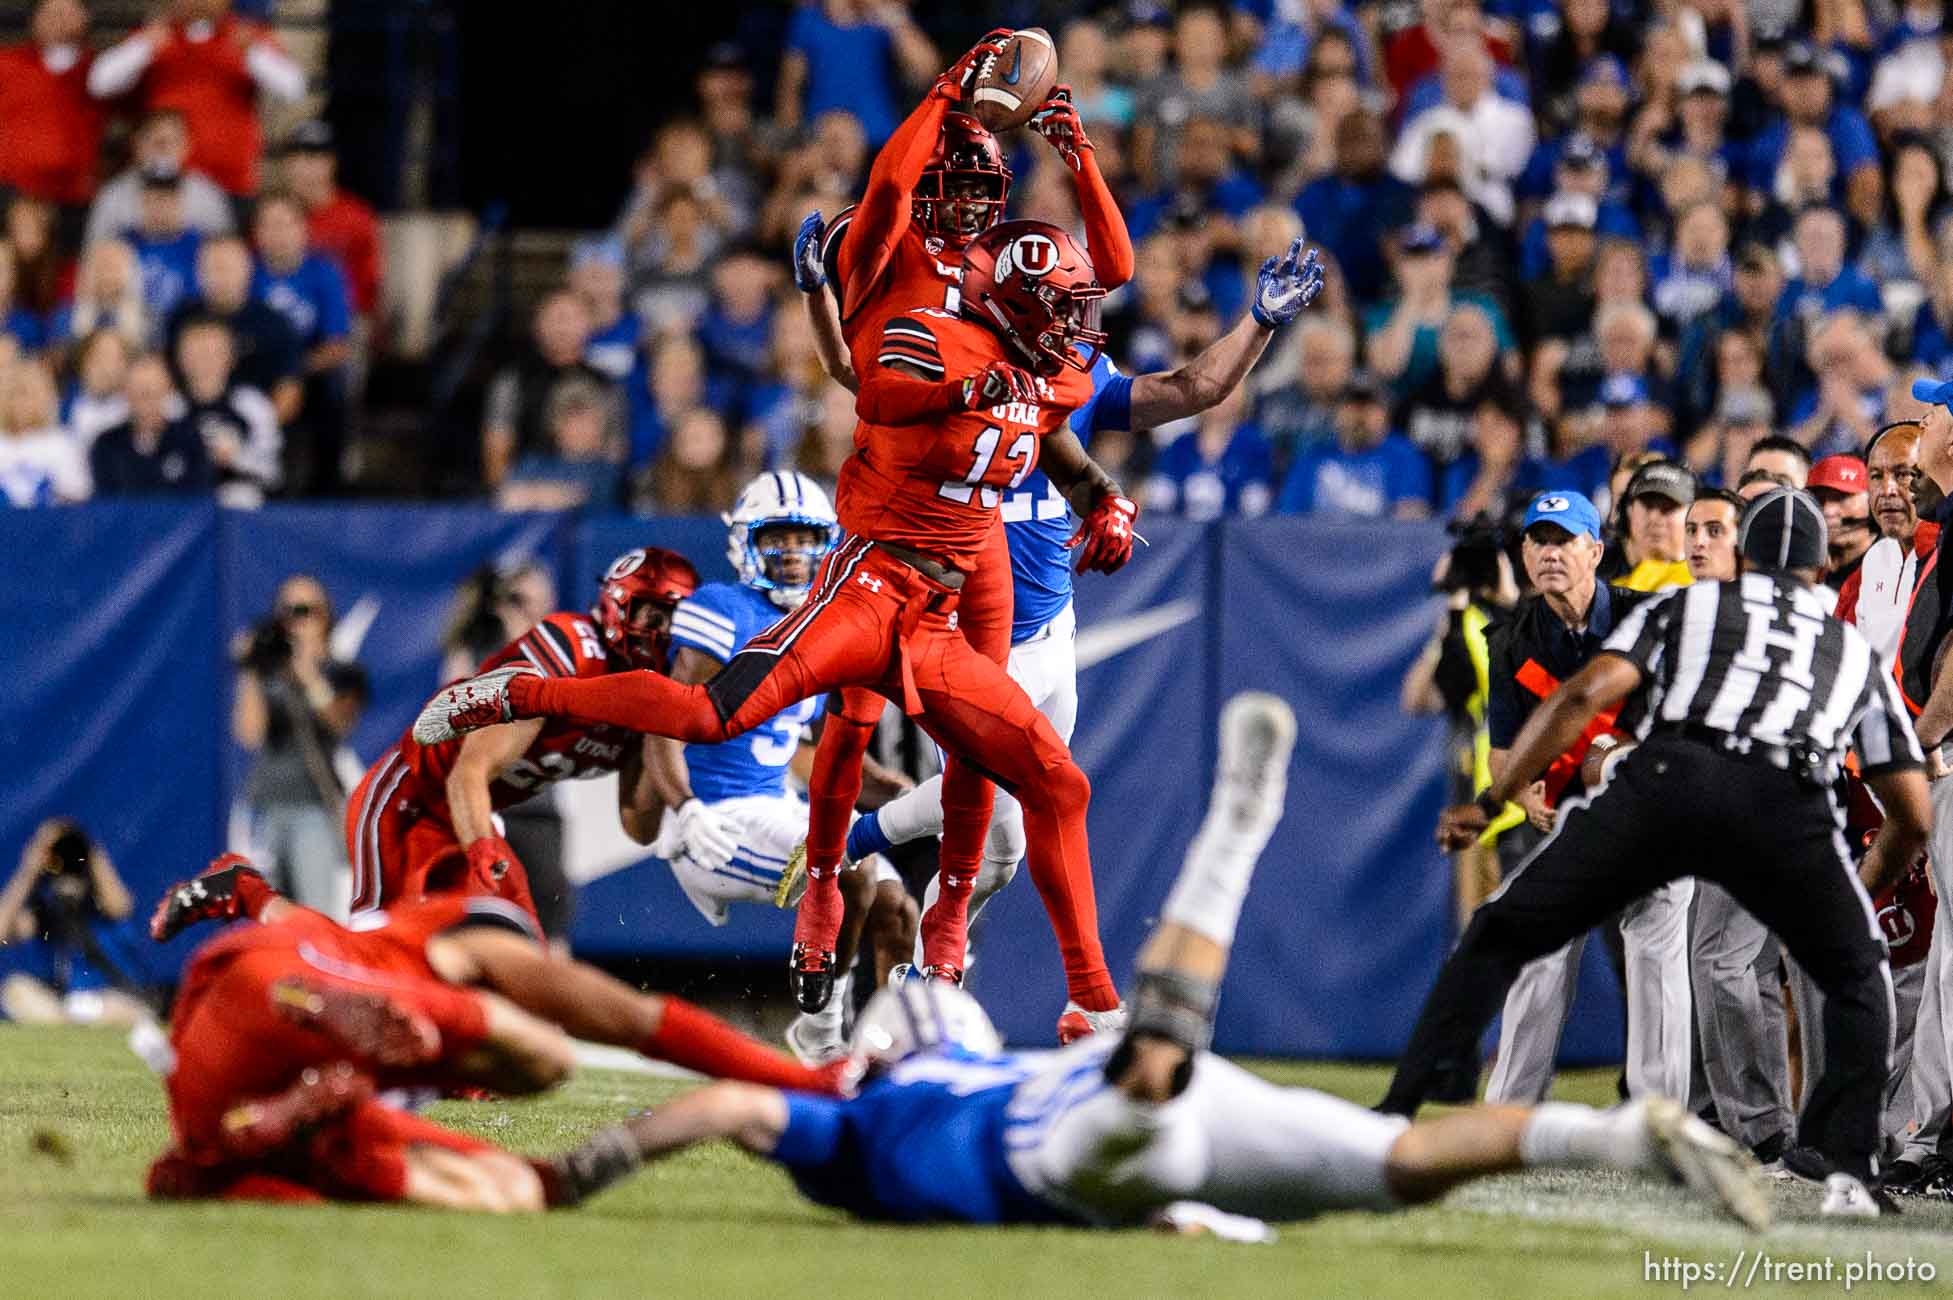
[[269, 649], [64, 896], [1474, 555]]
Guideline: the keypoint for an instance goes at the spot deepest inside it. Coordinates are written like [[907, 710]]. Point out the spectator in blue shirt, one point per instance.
[[597, 277], [580, 465], [1808, 99], [1085, 54], [1368, 471], [737, 330], [1207, 184], [309, 291], [1698, 126], [1401, 336], [1289, 32], [1692, 279], [166, 247], [1578, 166], [1845, 404], [1348, 211], [853, 55], [1223, 467]]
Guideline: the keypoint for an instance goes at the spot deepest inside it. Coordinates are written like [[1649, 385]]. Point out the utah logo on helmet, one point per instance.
[[1035, 255], [1033, 285], [648, 575]]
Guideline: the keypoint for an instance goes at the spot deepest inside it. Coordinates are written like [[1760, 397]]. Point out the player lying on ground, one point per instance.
[[1108, 1131], [919, 498], [417, 802], [732, 823], [1039, 526], [286, 1032], [939, 182]]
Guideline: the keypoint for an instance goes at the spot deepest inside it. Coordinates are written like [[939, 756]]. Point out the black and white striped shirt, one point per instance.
[[1762, 659]]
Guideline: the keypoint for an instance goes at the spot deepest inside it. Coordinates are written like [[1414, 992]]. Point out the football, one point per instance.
[[1013, 85]]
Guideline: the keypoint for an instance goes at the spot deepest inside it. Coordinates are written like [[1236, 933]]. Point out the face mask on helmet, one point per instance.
[[786, 554], [960, 205], [640, 592], [1074, 326]]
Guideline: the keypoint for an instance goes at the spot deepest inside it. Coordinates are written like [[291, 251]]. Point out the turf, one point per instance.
[[715, 1223]]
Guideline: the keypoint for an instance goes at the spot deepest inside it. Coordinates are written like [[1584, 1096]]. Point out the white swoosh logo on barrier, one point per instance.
[[1115, 636]]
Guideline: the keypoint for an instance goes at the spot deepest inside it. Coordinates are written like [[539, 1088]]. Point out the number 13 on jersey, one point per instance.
[[1023, 454]]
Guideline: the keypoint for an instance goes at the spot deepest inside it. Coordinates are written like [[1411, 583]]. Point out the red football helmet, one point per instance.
[[963, 187], [1032, 283], [640, 590]]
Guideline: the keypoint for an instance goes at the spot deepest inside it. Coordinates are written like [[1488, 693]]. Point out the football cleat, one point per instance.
[[811, 972], [1846, 1197], [469, 706], [1715, 1167], [1077, 1022], [210, 896], [252, 1128], [368, 1026], [816, 1040], [944, 974], [1257, 738]]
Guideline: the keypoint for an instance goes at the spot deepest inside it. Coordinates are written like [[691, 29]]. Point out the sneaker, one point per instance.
[[1845, 1197], [252, 1128], [1906, 1177], [1077, 1022], [810, 971], [816, 1040], [1711, 1165], [468, 706], [210, 896], [368, 1026], [793, 878]]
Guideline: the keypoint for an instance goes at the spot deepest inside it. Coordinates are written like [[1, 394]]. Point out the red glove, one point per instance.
[[1057, 121], [1106, 534], [998, 382], [955, 83], [490, 859]]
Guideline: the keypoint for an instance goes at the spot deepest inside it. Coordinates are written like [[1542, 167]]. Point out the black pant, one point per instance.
[[1676, 808]]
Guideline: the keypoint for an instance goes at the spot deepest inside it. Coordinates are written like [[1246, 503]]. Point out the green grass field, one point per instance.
[[715, 1223]]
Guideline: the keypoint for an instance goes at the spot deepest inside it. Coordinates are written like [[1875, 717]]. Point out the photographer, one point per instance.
[[493, 607], [294, 704], [63, 894]]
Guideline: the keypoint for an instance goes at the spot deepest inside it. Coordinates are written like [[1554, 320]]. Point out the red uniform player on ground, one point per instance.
[[919, 498], [419, 803], [285, 1031], [938, 183]]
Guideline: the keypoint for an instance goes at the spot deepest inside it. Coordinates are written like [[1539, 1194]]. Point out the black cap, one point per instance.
[[314, 135], [727, 54], [161, 175], [1662, 478], [1362, 386], [1784, 529]]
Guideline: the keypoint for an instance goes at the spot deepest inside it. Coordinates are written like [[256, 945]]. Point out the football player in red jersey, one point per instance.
[[423, 816], [285, 1031], [950, 418], [938, 183]]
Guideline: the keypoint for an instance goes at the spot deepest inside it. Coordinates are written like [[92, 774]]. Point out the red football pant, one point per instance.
[[873, 621], [400, 850]]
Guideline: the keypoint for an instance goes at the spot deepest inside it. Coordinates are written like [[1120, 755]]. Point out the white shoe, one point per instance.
[[815, 1040], [1257, 739], [1077, 1022], [1847, 1198], [1714, 1167], [468, 706]]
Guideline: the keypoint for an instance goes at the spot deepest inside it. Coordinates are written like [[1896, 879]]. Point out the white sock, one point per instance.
[[1213, 881], [1561, 1135], [913, 814], [834, 1014]]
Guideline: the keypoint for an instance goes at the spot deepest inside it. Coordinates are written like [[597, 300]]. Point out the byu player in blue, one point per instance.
[[730, 819], [1040, 527], [1115, 1129]]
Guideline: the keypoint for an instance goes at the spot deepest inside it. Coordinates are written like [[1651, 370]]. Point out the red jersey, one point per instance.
[[922, 272], [207, 81], [562, 645], [50, 126], [345, 229], [936, 487]]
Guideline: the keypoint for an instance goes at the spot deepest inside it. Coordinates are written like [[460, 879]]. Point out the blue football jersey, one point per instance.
[[932, 1139], [718, 619], [1038, 522]]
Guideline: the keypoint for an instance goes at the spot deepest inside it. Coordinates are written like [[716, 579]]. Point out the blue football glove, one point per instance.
[[1285, 286], [808, 273]]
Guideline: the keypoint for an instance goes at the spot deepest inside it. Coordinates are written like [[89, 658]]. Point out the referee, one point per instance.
[[1754, 693]]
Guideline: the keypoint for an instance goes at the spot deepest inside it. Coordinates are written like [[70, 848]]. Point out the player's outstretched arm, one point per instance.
[[752, 1116], [1283, 288], [1105, 226], [484, 756], [810, 277]]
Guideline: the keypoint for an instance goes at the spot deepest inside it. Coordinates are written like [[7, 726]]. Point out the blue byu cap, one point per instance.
[[1568, 510], [1934, 392]]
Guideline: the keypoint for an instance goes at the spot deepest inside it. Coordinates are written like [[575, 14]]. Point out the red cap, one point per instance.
[[1844, 474]]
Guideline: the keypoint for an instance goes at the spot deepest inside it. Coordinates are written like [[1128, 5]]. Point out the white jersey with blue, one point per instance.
[[717, 620], [933, 1139], [1038, 521]]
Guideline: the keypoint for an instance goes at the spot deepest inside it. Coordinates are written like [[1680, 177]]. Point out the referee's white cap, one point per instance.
[[1784, 529]]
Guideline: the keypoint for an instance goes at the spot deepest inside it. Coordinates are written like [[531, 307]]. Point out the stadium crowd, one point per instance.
[[1560, 236]]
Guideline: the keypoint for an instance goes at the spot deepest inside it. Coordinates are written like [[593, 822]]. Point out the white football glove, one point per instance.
[[704, 836]]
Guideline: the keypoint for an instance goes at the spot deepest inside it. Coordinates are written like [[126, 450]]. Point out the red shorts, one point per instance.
[[395, 845], [360, 1156], [232, 1046]]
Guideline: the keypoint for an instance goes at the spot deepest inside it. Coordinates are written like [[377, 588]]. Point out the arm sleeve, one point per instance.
[[1110, 408], [883, 213], [813, 1134], [120, 67], [892, 398], [1105, 229], [274, 71], [701, 624]]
